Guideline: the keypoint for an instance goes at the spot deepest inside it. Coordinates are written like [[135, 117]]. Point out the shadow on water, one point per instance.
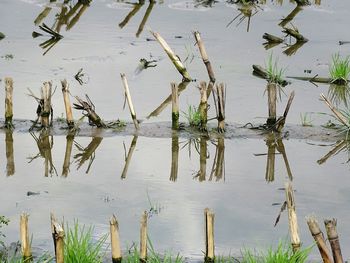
[[87, 153]]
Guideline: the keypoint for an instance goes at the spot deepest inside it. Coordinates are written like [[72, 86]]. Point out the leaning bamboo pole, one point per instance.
[[337, 114], [175, 106], [128, 97], [319, 239], [115, 241], [145, 17], [292, 217], [67, 104], [25, 243], [209, 236], [332, 234], [8, 103], [143, 238], [173, 57]]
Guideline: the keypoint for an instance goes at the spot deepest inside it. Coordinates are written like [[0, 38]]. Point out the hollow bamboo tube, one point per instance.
[[175, 106], [272, 103], [174, 157], [292, 217], [173, 57], [25, 244], [221, 100], [339, 115], [203, 105], [209, 235], [331, 229], [8, 102], [67, 104], [204, 56], [128, 97], [143, 238], [10, 165], [318, 236], [58, 236], [115, 241], [46, 92]]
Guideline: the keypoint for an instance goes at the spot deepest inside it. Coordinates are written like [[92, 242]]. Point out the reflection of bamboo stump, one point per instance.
[[202, 160], [174, 157], [272, 103], [67, 156], [218, 168], [129, 156], [10, 166], [270, 163]]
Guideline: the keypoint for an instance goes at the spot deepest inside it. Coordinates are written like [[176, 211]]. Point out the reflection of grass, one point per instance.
[[339, 69], [306, 120], [275, 74], [339, 94]]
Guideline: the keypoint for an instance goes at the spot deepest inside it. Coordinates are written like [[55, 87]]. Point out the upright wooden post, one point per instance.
[[67, 104], [115, 242], [319, 239], [143, 238], [25, 243], [209, 235], [203, 105], [221, 101], [46, 93], [8, 103], [175, 106], [292, 217], [331, 229], [58, 237], [272, 103], [128, 97]]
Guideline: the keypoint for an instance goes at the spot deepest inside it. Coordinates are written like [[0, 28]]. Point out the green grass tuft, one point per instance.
[[193, 116], [275, 74], [339, 69]]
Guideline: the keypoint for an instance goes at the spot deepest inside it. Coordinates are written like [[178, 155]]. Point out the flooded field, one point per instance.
[[173, 175]]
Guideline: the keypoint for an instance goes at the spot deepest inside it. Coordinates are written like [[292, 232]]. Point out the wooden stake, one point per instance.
[[209, 235], [46, 93], [292, 217], [221, 101], [58, 237], [8, 103], [331, 229], [25, 243], [128, 97], [67, 104], [143, 238], [175, 106], [115, 242], [173, 57], [203, 105], [204, 56], [174, 157], [318, 236], [10, 165], [272, 103], [129, 156]]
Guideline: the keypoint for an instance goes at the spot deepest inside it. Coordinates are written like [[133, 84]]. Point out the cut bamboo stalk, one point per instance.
[[8, 103], [46, 93], [319, 239], [282, 120], [129, 156], [10, 165], [145, 17], [25, 243], [175, 106], [294, 33], [221, 100], [67, 155], [89, 110], [128, 97], [272, 39], [272, 103], [173, 57], [290, 17], [174, 157], [71, 23], [115, 241], [143, 238], [204, 56], [332, 234], [58, 235], [338, 115], [209, 236], [292, 217], [203, 105], [67, 104]]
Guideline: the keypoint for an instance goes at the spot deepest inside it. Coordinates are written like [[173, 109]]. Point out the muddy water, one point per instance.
[[104, 45]]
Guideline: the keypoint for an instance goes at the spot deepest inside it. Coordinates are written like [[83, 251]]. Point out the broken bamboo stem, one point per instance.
[[272, 39], [8, 103], [175, 106], [58, 235], [319, 239], [332, 234], [272, 103], [67, 104], [337, 114], [128, 97], [209, 236], [145, 17], [173, 57], [292, 217], [115, 241], [340, 146], [25, 243], [46, 111], [221, 100], [143, 238], [204, 56], [282, 120], [203, 105], [295, 33]]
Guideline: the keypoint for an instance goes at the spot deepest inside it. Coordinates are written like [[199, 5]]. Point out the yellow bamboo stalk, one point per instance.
[[128, 97], [209, 235], [115, 241], [25, 243], [67, 104], [143, 238], [331, 229], [292, 217], [175, 105]]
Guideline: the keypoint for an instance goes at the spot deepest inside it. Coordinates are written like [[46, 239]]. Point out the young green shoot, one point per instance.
[[306, 120], [275, 73], [339, 69], [193, 116]]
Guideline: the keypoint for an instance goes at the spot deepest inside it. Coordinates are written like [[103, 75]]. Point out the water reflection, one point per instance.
[[247, 11], [174, 157], [339, 94], [129, 156], [45, 144], [10, 165], [340, 146], [87, 153], [67, 155], [218, 168]]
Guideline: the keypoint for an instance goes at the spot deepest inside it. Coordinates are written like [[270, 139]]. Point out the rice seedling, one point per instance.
[[80, 247], [193, 116], [274, 72], [45, 258], [339, 69], [306, 120]]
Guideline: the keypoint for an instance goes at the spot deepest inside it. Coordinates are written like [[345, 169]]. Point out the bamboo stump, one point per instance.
[[25, 243], [292, 217], [221, 101], [209, 236], [8, 103], [272, 103], [143, 238], [46, 111], [115, 241], [175, 106], [128, 97], [58, 238], [67, 104], [332, 234], [203, 105], [67, 155]]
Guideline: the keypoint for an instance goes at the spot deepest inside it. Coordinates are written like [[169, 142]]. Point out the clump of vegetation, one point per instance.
[[80, 245], [339, 69], [274, 72], [306, 120], [193, 116], [3, 221]]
